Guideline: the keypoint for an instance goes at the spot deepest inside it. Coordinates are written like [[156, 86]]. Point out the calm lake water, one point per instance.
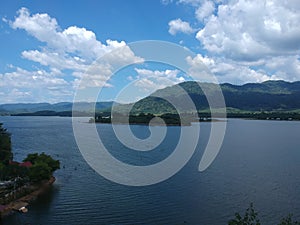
[[259, 162]]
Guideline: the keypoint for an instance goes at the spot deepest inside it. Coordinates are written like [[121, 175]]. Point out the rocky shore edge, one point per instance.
[[15, 205]]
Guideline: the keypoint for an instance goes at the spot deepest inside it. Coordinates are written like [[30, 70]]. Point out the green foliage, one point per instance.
[[2, 171], [39, 171], [5, 146], [42, 166], [143, 118], [250, 218], [267, 96], [35, 158], [152, 105], [288, 221], [12, 171], [31, 158]]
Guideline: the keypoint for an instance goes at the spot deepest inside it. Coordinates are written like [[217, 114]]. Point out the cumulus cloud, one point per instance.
[[71, 40], [205, 10], [225, 70], [41, 26], [75, 49], [250, 30], [24, 85], [54, 59], [76, 40], [151, 80], [30, 79], [247, 41], [285, 67], [178, 25]]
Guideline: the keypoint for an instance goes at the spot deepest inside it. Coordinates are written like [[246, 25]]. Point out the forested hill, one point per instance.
[[266, 96], [251, 97]]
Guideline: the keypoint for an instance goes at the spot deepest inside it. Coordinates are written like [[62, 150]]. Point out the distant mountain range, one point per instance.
[[58, 107], [266, 96]]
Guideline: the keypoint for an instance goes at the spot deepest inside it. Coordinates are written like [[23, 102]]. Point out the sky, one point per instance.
[[47, 47]]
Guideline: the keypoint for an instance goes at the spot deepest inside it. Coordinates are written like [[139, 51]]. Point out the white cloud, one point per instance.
[[205, 10], [150, 80], [74, 49], [178, 25], [191, 2], [120, 55], [223, 71], [95, 74], [32, 86], [54, 59], [15, 93], [200, 68], [41, 26], [285, 67], [21, 78], [247, 41], [5, 20], [72, 40], [250, 30]]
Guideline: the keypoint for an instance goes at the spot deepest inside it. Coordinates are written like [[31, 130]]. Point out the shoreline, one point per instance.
[[25, 200]]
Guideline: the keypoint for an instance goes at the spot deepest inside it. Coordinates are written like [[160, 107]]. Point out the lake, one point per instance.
[[258, 162]]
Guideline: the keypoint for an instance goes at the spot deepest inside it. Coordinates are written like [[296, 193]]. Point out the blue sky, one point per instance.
[[47, 46]]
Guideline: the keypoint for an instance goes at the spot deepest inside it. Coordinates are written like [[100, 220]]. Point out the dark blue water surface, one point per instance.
[[259, 162]]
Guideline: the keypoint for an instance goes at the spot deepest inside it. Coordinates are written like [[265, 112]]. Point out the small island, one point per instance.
[[169, 119], [22, 182]]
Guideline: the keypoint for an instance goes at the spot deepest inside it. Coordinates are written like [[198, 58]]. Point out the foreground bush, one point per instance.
[[251, 218]]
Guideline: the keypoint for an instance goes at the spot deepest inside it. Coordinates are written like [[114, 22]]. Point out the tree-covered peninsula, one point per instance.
[[18, 179]]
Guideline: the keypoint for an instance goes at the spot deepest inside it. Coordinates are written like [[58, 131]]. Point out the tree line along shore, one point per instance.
[[22, 182]]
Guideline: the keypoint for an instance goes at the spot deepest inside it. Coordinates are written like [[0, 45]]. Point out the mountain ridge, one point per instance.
[[12, 108], [267, 96]]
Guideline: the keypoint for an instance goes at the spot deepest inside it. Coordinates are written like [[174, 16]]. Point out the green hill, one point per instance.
[[251, 97], [269, 96]]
